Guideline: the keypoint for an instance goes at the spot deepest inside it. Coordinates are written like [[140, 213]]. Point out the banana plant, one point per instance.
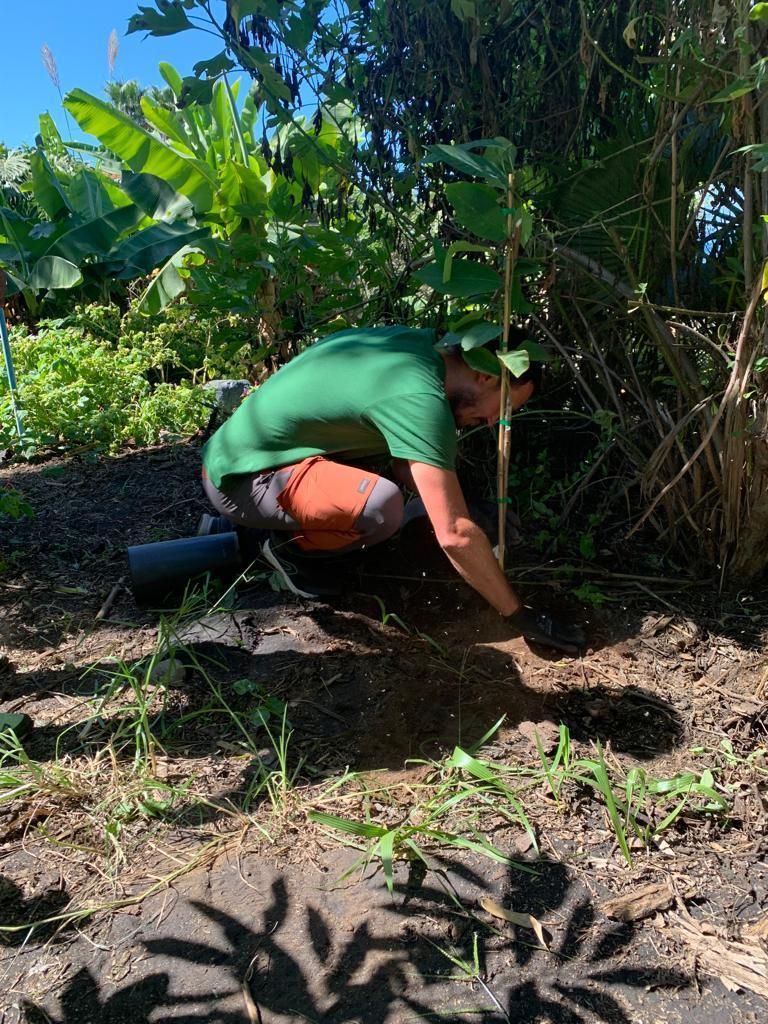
[[81, 230], [204, 161]]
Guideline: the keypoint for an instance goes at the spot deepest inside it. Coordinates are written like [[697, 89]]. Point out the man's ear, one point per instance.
[[487, 378], [524, 391]]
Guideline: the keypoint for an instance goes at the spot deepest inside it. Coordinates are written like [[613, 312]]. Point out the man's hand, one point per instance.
[[541, 628]]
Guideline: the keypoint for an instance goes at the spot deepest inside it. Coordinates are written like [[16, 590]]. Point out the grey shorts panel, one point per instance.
[[252, 502]]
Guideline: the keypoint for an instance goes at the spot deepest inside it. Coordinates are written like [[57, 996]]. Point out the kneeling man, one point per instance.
[[289, 458]]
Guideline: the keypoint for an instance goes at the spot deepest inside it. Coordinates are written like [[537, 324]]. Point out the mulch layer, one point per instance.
[[238, 908]]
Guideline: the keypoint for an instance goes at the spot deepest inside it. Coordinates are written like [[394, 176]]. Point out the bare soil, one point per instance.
[[212, 920]]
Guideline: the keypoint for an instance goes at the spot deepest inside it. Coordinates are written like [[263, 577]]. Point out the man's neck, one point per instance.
[[455, 373]]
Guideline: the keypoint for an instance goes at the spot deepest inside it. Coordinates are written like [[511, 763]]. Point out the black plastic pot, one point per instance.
[[160, 571]]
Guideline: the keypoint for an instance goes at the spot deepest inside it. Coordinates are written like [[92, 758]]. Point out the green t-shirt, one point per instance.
[[361, 392]]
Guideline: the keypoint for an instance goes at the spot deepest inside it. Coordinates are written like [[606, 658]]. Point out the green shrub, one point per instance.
[[101, 378], [184, 342], [76, 390]]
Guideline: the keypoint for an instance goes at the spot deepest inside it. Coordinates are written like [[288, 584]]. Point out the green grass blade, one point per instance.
[[386, 849], [603, 784], [352, 828], [486, 736]]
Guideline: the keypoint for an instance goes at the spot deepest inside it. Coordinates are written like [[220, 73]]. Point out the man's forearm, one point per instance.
[[470, 552]]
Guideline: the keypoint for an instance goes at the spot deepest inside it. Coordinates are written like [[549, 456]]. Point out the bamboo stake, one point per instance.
[[673, 210], [505, 399]]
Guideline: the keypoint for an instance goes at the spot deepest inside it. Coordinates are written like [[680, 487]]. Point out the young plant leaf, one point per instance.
[[467, 278], [478, 209], [482, 361], [468, 163], [451, 251], [517, 361], [477, 334]]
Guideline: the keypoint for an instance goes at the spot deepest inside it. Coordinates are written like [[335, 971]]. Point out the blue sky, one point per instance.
[[77, 33]]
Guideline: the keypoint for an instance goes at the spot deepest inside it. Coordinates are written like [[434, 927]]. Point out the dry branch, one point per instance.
[[739, 963], [731, 396], [642, 903]]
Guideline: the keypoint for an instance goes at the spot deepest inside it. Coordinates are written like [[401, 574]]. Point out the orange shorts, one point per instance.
[[326, 499]]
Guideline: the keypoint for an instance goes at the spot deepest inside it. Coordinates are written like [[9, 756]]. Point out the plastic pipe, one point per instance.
[[160, 569]]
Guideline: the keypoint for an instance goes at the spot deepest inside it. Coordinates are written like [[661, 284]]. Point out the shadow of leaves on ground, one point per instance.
[[303, 957], [19, 911]]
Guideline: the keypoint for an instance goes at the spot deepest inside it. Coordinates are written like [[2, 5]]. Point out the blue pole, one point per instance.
[[10, 373]]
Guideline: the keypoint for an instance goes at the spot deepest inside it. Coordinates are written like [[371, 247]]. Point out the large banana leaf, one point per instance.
[[172, 77], [49, 138], [168, 284], [96, 237], [13, 283], [47, 189], [141, 253], [156, 197], [89, 196], [222, 113], [140, 150], [53, 272], [168, 123], [23, 242]]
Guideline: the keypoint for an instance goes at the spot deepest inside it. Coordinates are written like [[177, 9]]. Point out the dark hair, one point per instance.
[[533, 375]]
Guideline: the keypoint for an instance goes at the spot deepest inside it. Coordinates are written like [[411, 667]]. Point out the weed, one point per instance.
[[464, 790], [448, 816], [267, 709], [387, 617], [468, 970], [756, 759], [635, 803], [14, 505], [109, 785], [23, 777], [589, 593]]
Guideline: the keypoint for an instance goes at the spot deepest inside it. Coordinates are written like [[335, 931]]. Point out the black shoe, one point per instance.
[[315, 574], [210, 525]]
